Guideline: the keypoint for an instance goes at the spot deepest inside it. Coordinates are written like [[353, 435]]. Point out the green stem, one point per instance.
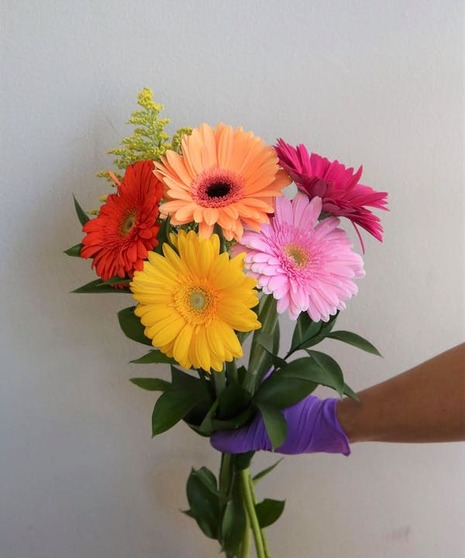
[[226, 477], [249, 504], [231, 371], [219, 379], [268, 318], [244, 550]]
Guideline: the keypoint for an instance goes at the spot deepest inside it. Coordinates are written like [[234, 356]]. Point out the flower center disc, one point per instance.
[[298, 255], [197, 300], [128, 224], [195, 303], [217, 187]]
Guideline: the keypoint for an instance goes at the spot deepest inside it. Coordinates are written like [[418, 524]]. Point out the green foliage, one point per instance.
[[265, 472], [132, 327], [233, 401], [82, 215], [355, 340], [275, 424], [350, 393], [234, 524], [74, 251], [185, 394], [98, 286], [171, 407], [308, 333], [260, 360], [204, 503], [289, 385], [154, 357], [328, 372], [151, 384], [269, 511]]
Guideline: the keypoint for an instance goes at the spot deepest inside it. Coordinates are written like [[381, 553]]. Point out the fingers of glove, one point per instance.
[[250, 438]]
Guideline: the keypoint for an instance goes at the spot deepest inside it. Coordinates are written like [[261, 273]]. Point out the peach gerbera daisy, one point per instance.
[[224, 176]]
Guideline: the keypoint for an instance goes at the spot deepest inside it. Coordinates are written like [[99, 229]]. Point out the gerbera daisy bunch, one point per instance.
[[201, 235]]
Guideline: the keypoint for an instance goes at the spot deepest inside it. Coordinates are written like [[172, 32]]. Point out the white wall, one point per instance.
[[372, 82]]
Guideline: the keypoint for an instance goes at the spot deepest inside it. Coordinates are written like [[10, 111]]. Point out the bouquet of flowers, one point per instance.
[[199, 234]]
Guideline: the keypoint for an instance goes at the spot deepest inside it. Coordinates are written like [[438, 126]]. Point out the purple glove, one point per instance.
[[312, 426]]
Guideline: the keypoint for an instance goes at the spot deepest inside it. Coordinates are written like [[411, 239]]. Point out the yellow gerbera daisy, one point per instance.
[[225, 176], [192, 300]]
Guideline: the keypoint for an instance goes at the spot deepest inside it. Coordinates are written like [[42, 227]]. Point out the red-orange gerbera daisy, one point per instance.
[[126, 227], [225, 176]]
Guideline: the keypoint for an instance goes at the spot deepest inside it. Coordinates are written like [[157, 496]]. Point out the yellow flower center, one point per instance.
[[297, 254], [197, 300], [128, 224], [196, 304]]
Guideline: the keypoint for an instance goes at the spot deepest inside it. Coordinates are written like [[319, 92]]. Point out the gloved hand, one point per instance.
[[312, 426]]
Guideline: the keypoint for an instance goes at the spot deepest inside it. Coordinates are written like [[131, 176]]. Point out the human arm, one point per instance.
[[424, 404]]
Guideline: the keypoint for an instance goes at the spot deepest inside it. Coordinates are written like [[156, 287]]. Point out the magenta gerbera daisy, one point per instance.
[[305, 264], [338, 186]]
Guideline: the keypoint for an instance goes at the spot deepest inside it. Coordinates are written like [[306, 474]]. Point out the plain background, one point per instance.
[[372, 82]]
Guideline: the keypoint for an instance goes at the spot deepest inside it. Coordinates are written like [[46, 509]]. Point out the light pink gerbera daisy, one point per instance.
[[305, 264], [337, 185]]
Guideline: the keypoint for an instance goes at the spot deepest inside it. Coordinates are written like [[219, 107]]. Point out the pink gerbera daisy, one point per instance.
[[337, 185], [305, 264]]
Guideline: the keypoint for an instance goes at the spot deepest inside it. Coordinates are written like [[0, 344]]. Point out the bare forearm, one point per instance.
[[424, 404]]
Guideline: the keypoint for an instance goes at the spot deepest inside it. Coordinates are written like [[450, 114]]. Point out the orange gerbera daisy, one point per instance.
[[225, 176], [126, 228]]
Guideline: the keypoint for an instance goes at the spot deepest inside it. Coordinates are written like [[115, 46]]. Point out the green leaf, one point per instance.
[[283, 391], [199, 415], [186, 381], [355, 340], [99, 286], [308, 368], [151, 384], [116, 281], [269, 511], [131, 326], [74, 251], [82, 215], [350, 393], [232, 401], [204, 426], [154, 357], [268, 342], [171, 407], [204, 503], [163, 235], [275, 424], [265, 472], [308, 333], [276, 337], [333, 376], [233, 525], [234, 422], [208, 479]]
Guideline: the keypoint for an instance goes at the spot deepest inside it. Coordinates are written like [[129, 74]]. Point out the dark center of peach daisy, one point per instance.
[[217, 187], [128, 224]]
